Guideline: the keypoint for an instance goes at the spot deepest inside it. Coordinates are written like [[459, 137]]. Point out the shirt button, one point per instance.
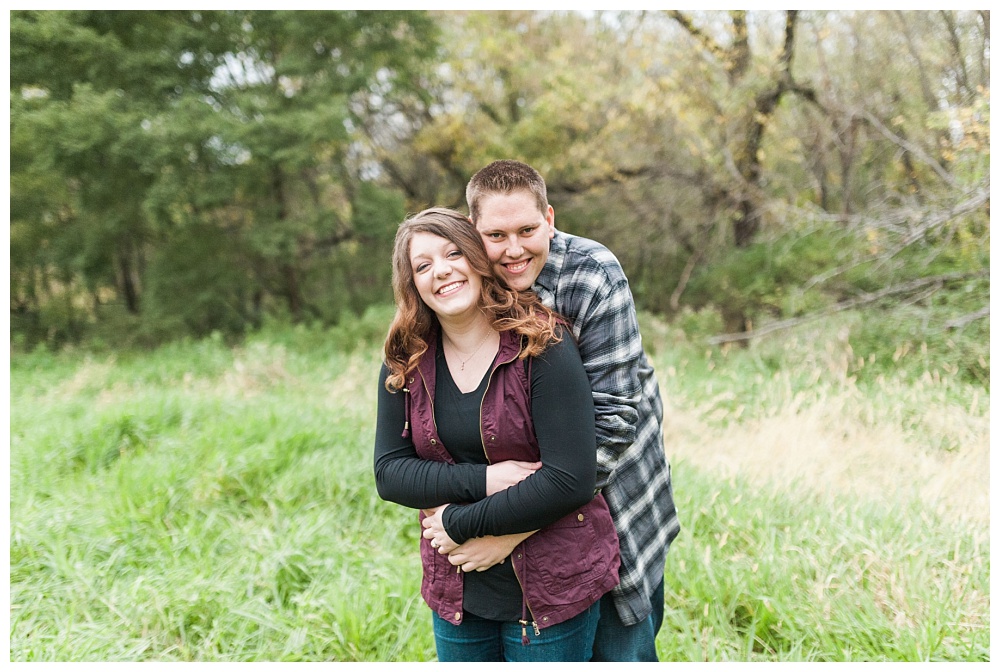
[[433, 442], [493, 438], [580, 517], [458, 616]]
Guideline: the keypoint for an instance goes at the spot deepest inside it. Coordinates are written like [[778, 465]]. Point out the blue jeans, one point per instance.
[[617, 642], [482, 640]]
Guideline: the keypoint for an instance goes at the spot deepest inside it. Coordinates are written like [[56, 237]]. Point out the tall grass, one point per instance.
[[205, 502]]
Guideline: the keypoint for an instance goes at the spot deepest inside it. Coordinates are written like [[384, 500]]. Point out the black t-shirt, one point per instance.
[[563, 413]]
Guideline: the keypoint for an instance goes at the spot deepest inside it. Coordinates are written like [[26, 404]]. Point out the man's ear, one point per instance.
[[550, 217]]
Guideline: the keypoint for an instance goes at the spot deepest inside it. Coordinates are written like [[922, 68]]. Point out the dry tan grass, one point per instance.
[[89, 374], [840, 446], [255, 369]]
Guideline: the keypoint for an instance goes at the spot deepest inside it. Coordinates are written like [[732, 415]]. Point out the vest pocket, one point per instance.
[[569, 559]]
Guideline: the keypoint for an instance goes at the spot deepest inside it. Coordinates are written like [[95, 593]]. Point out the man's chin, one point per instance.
[[518, 283]]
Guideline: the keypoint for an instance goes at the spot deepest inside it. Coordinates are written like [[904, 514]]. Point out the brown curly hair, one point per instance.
[[414, 322]]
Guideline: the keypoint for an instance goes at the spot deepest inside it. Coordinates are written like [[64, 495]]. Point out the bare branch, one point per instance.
[[959, 322], [710, 45], [862, 300], [910, 147], [899, 222], [787, 49], [675, 297]]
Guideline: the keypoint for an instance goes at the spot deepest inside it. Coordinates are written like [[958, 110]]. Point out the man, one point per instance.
[[582, 280]]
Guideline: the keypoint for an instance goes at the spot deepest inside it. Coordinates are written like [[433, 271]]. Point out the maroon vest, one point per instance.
[[564, 567]]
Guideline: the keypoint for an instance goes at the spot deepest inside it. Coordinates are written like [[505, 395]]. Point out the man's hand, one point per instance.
[[481, 553], [434, 529], [503, 475]]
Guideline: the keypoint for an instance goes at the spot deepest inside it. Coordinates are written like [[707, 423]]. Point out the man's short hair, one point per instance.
[[505, 177]]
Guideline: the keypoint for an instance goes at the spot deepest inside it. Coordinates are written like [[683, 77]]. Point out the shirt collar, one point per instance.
[[547, 280]]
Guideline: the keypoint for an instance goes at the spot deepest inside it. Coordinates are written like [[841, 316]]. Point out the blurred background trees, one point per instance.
[[178, 173]]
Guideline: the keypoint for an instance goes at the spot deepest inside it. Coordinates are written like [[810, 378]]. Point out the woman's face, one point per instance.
[[442, 275]]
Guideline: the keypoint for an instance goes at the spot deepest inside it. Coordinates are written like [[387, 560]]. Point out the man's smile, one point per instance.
[[517, 266]]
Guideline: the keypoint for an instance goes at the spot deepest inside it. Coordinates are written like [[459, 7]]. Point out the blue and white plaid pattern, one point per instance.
[[583, 281]]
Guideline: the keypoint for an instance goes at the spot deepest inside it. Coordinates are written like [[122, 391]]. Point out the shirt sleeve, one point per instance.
[[598, 302], [563, 414], [403, 477]]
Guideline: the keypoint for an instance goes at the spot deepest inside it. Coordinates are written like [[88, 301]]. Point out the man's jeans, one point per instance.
[[617, 642], [481, 640]]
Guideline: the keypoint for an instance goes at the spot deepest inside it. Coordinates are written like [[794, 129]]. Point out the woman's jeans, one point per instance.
[[482, 640]]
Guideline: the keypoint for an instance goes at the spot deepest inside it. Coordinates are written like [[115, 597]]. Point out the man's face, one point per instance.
[[516, 234]]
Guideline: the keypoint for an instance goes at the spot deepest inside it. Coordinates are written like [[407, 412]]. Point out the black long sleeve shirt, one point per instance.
[[563, 414]]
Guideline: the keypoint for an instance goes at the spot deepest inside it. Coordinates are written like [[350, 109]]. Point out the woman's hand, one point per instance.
[[503, 475], [434, 530], [481, 553]]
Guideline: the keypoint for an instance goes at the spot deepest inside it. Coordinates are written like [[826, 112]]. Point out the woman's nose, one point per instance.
[[442, 269]]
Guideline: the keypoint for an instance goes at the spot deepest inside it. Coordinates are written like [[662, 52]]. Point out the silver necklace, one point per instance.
[[474, 352]]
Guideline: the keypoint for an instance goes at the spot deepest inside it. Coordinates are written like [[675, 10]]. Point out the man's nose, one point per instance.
[[514, 247]]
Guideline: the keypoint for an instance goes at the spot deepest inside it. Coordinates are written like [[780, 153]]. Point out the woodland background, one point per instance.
[[202, 206], [179, 173]]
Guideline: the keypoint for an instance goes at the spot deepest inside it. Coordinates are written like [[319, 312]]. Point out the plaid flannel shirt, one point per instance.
[[583, 281]]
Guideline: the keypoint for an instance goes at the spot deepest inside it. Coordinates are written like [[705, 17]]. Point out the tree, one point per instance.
[[202, 159], [83, 85]]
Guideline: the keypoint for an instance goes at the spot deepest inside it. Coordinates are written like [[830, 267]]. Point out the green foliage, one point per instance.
[[190, 167], [764, 279], [197, 285], [178, 172], [903, 338]]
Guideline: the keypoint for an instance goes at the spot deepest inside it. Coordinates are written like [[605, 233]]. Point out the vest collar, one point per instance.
[[510, 348]]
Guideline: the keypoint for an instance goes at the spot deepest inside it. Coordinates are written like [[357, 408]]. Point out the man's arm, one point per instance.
[[597, 300]]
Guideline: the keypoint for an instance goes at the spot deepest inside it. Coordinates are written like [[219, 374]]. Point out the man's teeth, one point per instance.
[[517, 267]]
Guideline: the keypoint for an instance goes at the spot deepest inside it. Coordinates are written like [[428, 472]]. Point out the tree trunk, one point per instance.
[[292, 293], [127, 284], [288, 271]]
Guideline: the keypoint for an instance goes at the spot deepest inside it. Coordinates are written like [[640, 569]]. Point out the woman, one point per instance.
[[486, 423]]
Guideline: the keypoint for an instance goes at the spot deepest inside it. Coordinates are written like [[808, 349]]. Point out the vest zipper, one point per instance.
[[430, 399], [489, 381], [525, 607]]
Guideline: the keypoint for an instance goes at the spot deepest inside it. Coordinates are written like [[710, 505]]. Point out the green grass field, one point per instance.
[[205, 502]]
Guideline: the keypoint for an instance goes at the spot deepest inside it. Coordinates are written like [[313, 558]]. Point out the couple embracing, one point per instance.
[[518, 412]]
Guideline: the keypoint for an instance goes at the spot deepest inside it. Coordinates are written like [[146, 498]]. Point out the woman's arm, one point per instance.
[[562, 409], [403, 477]]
